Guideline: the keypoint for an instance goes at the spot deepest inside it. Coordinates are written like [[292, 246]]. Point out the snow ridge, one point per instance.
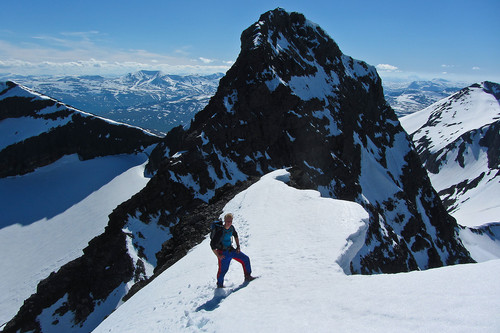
[[457, 138], [38, 130], [293, 237]]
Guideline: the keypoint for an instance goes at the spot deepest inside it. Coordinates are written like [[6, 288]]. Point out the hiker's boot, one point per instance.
[[249, 278]]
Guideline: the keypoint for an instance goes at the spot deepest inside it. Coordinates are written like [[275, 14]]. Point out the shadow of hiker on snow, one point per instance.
[[219, 295]]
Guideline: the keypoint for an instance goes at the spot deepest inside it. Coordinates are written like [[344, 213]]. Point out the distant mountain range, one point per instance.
[[148, 99], [408, 97], [158, 102]]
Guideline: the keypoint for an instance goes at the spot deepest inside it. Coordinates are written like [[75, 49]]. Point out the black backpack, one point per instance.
[[214, 227]]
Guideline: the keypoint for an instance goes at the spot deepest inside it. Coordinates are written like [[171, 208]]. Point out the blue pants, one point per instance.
[[224, 264]]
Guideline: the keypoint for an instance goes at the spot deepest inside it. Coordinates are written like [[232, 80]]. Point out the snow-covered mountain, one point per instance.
[[458, 139], [296, 241], [49, 216], [63, 171], [408, 97], [38, 130], [148, 99], [291, 100]]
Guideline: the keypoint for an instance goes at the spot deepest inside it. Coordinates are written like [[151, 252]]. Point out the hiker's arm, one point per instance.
[[237, 240]]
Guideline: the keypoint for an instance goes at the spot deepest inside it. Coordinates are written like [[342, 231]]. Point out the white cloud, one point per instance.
[[78, 54], [94, 66], [206, 61], [447, 66], [387, 68], [475, 68]]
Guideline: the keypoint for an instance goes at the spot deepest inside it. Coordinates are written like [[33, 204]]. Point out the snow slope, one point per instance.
[[448, 135], [49, 216], [457, 142], [451, 117], [297, 242]]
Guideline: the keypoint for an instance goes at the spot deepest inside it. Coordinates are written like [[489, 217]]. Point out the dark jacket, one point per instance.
[[216, 241]]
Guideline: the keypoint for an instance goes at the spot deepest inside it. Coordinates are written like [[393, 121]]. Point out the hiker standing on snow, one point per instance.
[[222, 246]]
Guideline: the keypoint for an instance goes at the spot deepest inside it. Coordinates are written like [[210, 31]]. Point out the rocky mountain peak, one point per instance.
[[291, 100], [287, 36], [286, 49]]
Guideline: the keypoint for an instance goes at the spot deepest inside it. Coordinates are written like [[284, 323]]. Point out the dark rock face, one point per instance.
[[71, 132], [292, 99], [491, 140]]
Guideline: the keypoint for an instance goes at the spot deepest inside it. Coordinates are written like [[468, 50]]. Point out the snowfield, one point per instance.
[[48, 217], [298, 242], [453, 128], [449, 118]]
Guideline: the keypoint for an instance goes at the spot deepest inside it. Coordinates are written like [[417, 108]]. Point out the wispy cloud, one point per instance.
[[103, 67], [76, 53], [206, 61], [76, 40], [476, 68], [387, 68]]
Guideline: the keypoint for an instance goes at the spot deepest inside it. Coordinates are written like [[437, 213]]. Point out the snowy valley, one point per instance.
[[109, 233]]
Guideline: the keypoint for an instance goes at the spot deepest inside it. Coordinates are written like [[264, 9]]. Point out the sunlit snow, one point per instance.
[[296, 240], [50, 215]]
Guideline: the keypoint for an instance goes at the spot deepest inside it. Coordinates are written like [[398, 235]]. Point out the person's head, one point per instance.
[[228, 219]]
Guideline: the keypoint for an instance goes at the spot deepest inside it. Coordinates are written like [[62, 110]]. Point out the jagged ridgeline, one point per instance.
[[291, 99]]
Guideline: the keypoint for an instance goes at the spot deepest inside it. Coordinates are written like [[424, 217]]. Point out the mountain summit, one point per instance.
[[291, 100]]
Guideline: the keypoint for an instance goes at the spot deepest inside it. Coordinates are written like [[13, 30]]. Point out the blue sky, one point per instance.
[[453, 39]]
